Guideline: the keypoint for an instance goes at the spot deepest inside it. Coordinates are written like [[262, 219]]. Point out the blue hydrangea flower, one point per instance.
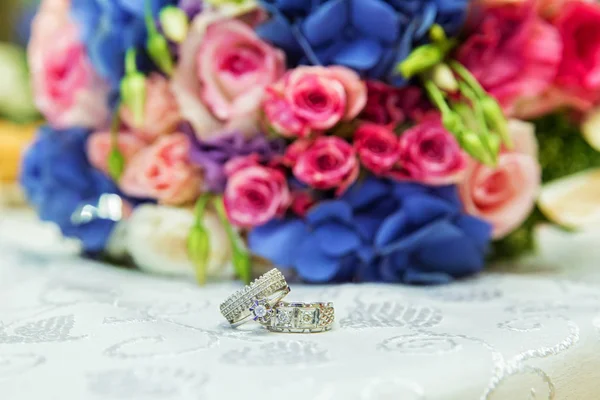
[[379, 231], [369, 36], [109, 28], [58, 179]]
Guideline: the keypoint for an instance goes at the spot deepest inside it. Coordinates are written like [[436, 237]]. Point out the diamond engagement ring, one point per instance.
[[295, 317], [269, 289]]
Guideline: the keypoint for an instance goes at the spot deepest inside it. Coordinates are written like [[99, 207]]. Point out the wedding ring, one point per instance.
[[295, 317], [270, 288]]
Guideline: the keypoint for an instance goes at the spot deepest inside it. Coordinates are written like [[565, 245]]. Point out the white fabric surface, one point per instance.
[[75, 330]]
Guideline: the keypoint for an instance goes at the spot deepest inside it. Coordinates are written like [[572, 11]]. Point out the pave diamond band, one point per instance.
[[301, 317], [272, 287]]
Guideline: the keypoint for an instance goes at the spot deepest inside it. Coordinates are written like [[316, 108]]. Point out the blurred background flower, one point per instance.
[[156, 238], [58, 179], [109, 28], [369, 36], [18, 116]]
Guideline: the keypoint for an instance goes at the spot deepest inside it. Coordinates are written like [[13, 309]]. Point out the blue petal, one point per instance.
[[334, 210], [277, 241], [423, 209], [326, 23], [360, 54], [376, 18], [448, 193], [367, 226], [365, 192], [365, 254], [426, 19], [404, 189], [412, 241], [476, 229], [336, 240], [448, 250], [393, 228], [393, 266], [312, 265], [278, 32]]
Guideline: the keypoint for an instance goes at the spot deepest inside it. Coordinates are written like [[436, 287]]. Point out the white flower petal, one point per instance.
[[573, 201], [157, 240]]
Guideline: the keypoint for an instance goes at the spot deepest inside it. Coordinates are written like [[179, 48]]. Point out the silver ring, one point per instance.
[[294, 317], [270, 287]]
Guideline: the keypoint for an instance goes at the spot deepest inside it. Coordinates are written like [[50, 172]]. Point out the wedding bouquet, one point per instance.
[[344, 140]]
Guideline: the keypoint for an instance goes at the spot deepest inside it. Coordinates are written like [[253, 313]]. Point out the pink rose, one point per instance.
[[390, 106], [513, 53], [99, 146], [163, 171], [256, 194], [66, 88], [378, 148], [431, 155], [161, 114], [238, 163], [310, 100], [223, 70], [505, 195], [579, 72], [327, 163]]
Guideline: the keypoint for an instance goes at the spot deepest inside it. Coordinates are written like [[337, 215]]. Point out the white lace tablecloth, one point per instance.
[[75, 330]]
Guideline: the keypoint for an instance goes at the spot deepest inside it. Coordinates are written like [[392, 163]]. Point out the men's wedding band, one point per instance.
[[297, 317]]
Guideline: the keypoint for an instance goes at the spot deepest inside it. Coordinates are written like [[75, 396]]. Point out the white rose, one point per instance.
[[156, 238]]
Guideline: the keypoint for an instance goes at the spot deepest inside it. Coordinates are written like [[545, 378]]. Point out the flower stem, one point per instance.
[[241, 257]]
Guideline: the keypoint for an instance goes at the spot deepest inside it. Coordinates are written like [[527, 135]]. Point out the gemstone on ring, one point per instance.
[[262, 311]]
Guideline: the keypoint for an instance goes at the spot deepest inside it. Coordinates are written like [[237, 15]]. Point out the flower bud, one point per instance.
[[472, 143], [443, 77], [157, 45], [158, 49], [133, 88], [420, 60], [175, 23], [494, 117], [116, 164]]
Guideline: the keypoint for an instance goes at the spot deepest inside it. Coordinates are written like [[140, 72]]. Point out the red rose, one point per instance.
[[579, 28], [377, 147], [390, 106]]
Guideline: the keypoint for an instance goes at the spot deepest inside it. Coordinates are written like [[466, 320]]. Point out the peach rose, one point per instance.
[[223, 70], [163, 171], [161, 114], [505, 195], [99, 146], [67, 89]]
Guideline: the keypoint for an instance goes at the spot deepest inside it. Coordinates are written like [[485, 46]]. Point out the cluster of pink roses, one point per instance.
[[536, 56]]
